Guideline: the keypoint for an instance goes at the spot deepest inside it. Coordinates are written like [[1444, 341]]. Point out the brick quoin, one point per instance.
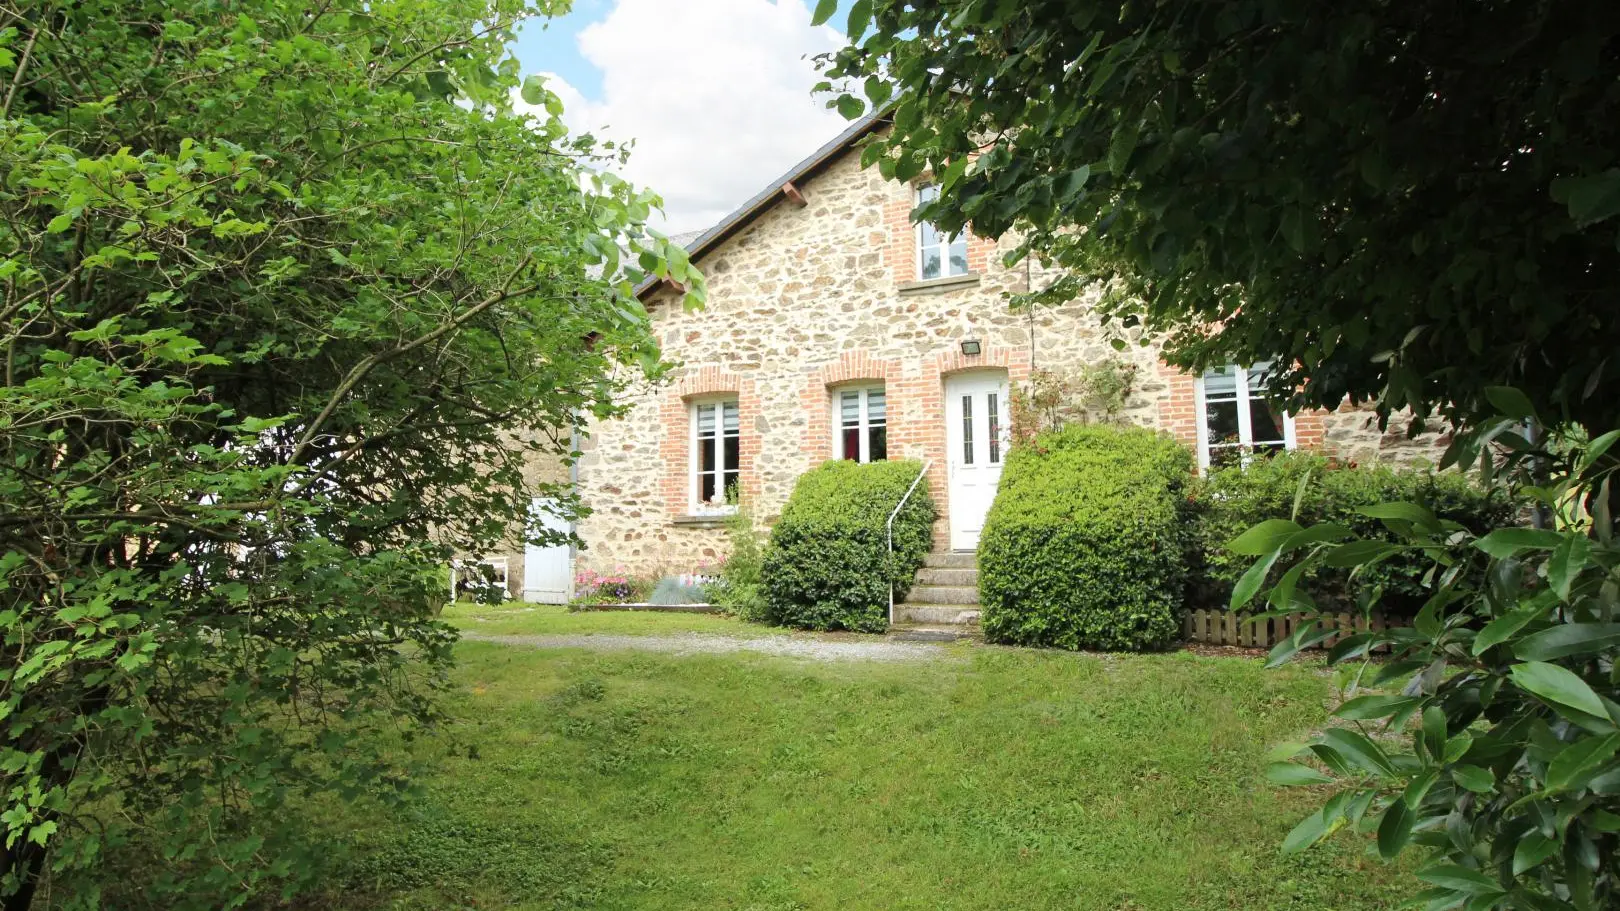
[[675, 446]]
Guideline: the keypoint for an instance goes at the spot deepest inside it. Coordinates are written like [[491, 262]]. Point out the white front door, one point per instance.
[[548, 572], [977, 431]]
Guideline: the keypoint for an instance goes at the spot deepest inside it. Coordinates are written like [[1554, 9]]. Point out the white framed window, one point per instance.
[[1236, 422], [716, 463], [861, 424], [938, 256]]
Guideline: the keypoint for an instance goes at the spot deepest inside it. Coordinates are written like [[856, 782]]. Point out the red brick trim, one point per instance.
[[1178, 413], [675, 447], [1178, 407], [853, 366], [898, 239]]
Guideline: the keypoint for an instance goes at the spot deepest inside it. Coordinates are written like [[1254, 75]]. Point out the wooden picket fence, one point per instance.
[[1220, 627]]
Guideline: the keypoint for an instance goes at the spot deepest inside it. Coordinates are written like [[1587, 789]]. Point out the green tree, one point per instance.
[[288, 295], [1407, 203]]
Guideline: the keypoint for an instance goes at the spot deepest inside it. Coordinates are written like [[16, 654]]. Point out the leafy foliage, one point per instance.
[[1085, 544], [740, 591], [1505, 684], [1314, 490], [1406, 203], [828, 564], [287, 297]]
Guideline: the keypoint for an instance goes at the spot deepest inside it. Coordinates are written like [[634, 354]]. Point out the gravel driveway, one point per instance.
[[695, 644]]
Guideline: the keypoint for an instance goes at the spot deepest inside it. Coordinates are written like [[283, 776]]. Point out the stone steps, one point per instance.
[[951, 560], [946, 595], [933, 614]]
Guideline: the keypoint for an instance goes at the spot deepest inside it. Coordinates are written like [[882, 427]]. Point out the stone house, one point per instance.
[[837, 328]]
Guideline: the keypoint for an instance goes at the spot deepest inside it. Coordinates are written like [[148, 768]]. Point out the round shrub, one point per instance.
[[1232, 500], [1085, 544], [827, 566]]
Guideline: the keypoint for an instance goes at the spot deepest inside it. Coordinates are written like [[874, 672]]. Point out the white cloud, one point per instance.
[[716, 94]]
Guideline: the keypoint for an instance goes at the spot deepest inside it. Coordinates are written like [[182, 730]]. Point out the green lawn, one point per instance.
[[989, 779]]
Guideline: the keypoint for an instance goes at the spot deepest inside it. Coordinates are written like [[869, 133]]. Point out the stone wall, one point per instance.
[[805, 299]]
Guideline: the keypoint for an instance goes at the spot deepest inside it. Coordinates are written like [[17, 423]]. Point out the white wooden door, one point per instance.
[[977, 431], [548, 572]]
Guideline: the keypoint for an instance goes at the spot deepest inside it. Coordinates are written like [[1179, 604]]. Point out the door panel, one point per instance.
[[977, 432], [548, 572]]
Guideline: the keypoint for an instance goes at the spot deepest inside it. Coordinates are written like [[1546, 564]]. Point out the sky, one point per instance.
[[716, 93]]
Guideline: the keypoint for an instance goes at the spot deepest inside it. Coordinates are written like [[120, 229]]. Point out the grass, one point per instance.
[[516, 619], [989, 779]]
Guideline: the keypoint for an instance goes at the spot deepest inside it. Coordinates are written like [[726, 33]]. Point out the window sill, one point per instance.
[[706, 520], [936, 285]]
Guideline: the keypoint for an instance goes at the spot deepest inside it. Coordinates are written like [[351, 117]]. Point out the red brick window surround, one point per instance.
[[854, 369], [1186, 413], [680, 416], [900, 237]]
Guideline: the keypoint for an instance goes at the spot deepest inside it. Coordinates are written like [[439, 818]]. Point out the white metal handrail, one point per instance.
[[899, 506]]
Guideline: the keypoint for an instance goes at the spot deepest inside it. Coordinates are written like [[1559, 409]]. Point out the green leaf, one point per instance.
[[850, 107], [1310, 830], [1459, 879], [1359, 749], [1591, 198], [1533, 848], [1510, 402], [860, 17], [1502, 628], [1405, 512], [1595, 450], [1360, 553], [1558, 685], [1264, 538], [1568, 639], [824, 11], [1474, 778], [534, 90], [1364, 708], [1434, 731], [1292, 774], [1395, 829], [1505, 542], [1244, 591], [1568, 559], [1577, 762]]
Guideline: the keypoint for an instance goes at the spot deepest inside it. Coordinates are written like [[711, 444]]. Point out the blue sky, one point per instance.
[[716, 93]]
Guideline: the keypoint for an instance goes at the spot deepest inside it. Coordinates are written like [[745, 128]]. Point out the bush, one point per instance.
[[1232, 500], [827, 565], [740, 591], [1084, 546]]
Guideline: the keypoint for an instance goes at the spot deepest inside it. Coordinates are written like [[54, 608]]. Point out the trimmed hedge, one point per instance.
[[1085, 546], [1230, 501], [827, 566]]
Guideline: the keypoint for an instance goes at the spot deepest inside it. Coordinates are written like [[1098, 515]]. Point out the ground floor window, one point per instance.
[[862, 432], [479, 580], [1236, 420], [716, 474]]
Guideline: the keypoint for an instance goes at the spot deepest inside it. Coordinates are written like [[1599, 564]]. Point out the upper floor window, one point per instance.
[[938, 256], [862, 432], [1236, 420], [716, 473]]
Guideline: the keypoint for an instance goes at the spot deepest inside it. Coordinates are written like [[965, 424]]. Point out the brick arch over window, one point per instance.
[[852, 367], [676, 446]]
